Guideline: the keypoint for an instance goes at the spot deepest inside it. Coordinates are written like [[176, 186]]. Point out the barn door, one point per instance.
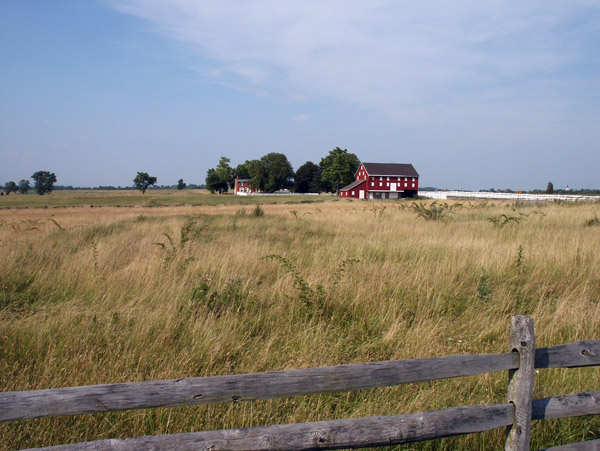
[[361, 194], [392, 187]]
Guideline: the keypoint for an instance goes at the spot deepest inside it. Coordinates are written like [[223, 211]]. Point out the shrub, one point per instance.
[[435, 212], [258, 212]]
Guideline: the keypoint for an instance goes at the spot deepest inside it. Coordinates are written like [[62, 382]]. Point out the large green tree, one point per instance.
[[279, 172], [308, 178], [10, 187], [143, 181], [181, 184], [44, 182], [225, 172], [214, 183], [221, 178], [24, 186], [242, 171], [338, 169], [258, 174], [255, 171]]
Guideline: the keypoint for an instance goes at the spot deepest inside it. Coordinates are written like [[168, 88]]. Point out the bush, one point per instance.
[[258, 211], [436, 212]]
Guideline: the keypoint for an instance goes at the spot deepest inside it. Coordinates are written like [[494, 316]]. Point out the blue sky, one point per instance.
[[474, 94]]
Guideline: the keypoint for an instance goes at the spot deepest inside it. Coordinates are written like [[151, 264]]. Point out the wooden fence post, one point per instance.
[[520, 383]]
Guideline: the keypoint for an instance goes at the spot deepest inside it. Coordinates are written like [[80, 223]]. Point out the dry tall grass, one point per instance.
[[91, 296]]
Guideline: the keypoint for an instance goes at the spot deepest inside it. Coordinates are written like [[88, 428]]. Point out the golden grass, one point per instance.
[[90, 296], [130, 198]]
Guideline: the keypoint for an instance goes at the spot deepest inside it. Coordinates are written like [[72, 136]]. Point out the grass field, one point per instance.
[[130, 198], [103, 295]]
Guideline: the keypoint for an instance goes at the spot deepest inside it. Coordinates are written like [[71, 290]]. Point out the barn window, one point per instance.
[[388, 178], [387, 184], [380, 183], [353, 193], [413, 185]]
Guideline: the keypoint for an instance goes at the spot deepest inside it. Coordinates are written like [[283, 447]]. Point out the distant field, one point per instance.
[[123, 198], [102, 295]]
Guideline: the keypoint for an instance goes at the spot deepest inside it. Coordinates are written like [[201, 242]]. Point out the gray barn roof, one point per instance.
[[352, 185], [394, 169]]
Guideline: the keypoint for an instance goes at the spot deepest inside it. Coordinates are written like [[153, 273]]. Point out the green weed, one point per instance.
[[502, 220], [595, 221], [258, 212], [313, 299], [231, 297], [484, 292], [435, 212], [520, 259], [190, 231]]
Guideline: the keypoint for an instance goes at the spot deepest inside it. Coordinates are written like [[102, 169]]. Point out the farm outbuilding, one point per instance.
[[383, 181], [242, 187]]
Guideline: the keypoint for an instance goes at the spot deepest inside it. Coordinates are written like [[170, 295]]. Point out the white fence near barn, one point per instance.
[[505, 196]]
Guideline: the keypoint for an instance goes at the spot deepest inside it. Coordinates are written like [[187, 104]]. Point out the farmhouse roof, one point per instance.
[[395, 169], [352, 185]]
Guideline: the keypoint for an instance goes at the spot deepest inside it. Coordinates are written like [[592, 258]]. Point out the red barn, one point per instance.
[[383, 181]]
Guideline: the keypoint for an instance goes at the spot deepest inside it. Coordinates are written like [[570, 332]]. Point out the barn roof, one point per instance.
[[352, 185], [387, 169]]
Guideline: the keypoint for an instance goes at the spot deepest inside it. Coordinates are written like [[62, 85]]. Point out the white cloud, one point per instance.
[[402, 58], [301, 117]]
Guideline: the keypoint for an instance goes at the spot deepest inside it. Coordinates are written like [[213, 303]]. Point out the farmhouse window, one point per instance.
[[380, 184]]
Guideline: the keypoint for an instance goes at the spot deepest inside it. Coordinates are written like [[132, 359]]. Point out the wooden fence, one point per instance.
[[515, 415]]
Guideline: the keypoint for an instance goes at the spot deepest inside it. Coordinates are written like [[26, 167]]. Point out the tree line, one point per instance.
[[273, 172], [43, 183]]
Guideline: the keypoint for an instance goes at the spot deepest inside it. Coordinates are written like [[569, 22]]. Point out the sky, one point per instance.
[[476, 95]]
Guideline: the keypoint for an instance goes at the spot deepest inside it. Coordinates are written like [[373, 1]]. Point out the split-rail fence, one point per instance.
[[515, 414]]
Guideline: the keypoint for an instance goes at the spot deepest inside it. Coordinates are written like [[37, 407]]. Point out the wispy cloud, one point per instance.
[[301, 117], [395, 56]]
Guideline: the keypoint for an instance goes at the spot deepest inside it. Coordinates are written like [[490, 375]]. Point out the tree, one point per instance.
[[10, 187], [24, 186], [550, 188], [279, 172], [220, 178], [257, 174], [44, 182], [143, 181], [181, 184], [308, 178], [338, 169], [242, 171], [213, 182], [225, 173]]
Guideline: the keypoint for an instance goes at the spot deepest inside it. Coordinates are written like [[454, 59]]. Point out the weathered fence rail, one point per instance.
[[516, 414]]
